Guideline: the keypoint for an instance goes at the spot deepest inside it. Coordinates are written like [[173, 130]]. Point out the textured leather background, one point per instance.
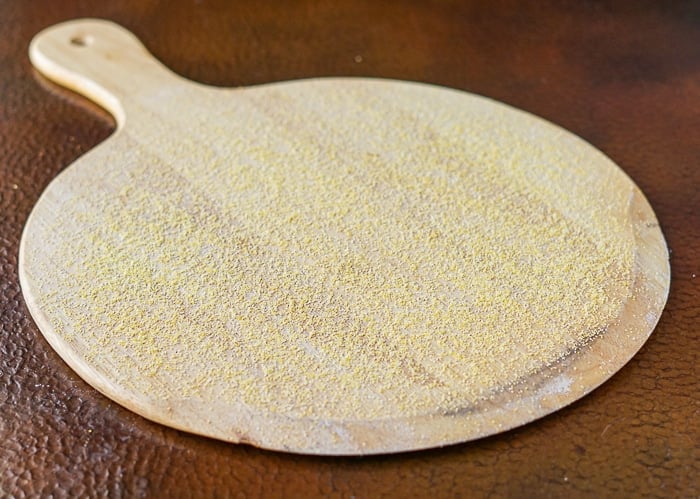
[[623, 75]]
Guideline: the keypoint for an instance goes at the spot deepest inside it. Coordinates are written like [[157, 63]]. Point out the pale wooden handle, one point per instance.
[[100, 60]]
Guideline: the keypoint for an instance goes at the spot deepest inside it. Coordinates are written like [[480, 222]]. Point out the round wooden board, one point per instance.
[[332, 266]]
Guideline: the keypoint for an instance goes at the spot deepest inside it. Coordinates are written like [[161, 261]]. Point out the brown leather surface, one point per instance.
[[624, 75]]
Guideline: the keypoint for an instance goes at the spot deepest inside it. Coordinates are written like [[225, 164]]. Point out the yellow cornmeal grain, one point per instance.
[[346, 253]]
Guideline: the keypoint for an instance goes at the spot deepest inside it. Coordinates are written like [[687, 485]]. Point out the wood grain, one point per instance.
[[188, 131]]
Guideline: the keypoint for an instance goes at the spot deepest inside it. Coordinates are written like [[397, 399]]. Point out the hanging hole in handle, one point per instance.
[[81, 40]]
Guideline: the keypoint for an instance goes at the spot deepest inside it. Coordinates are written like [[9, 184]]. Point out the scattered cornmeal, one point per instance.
[[354, 262]]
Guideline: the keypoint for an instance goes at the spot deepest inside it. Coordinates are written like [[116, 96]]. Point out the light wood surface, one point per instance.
[[174, 166]]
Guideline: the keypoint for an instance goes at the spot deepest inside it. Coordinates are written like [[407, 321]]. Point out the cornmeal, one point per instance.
[[348, 252]]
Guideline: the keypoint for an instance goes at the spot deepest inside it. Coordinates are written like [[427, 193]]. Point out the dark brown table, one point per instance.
[[624, 75]]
